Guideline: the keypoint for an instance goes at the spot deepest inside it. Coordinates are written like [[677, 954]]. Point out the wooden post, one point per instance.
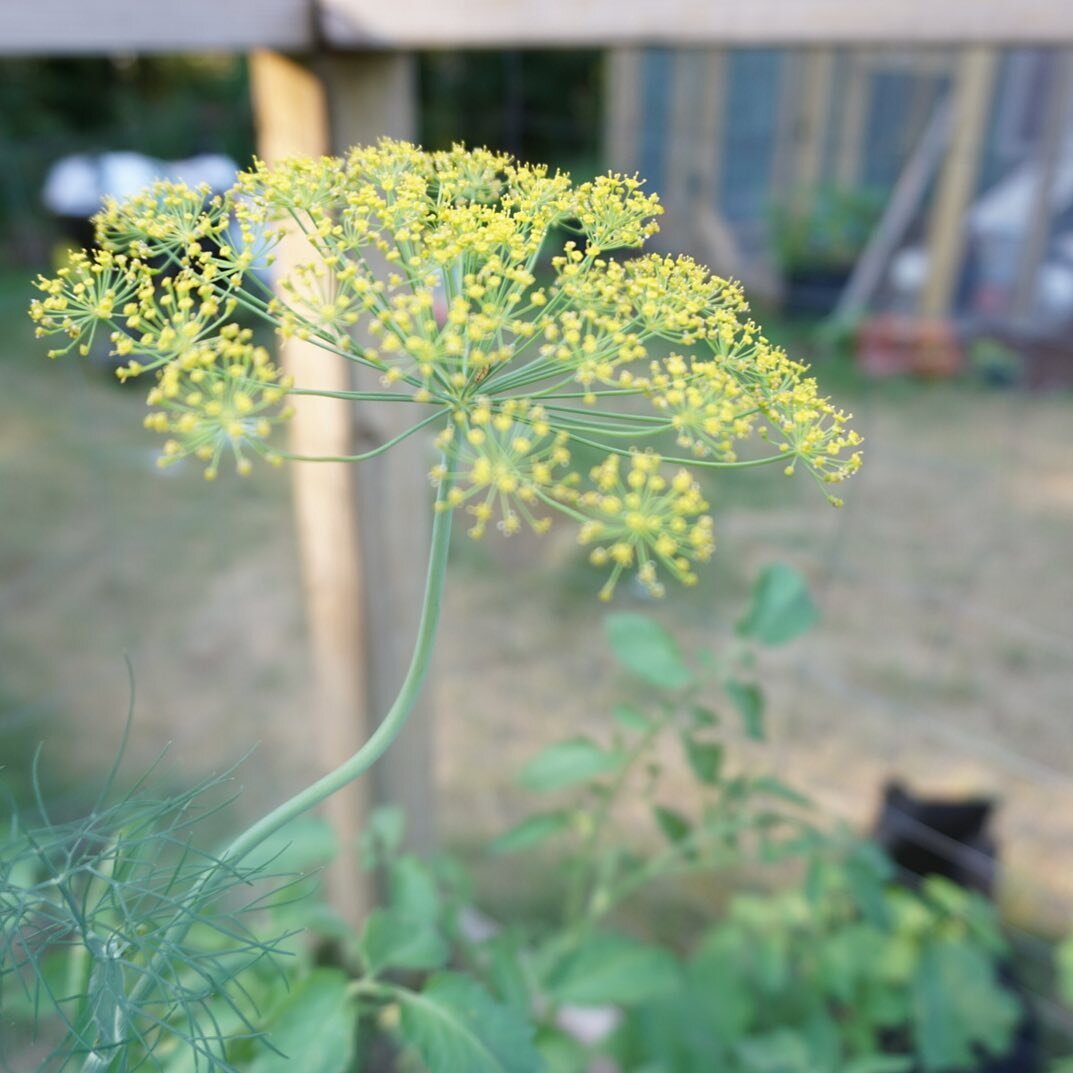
[[856, 104], [711, 110], [957, 181], [681, 134], [1054, 144], [622, 82], [292, 118], [811, 128], [372, 95], [784, 152]]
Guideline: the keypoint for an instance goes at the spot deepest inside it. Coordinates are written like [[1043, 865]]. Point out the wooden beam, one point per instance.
[[58, 27], [689, 23], [291, 115], [903, 206], [957, 181], [76, 27], [372, 95]]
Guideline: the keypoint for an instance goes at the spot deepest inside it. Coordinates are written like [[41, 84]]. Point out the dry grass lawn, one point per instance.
[[945, 654]]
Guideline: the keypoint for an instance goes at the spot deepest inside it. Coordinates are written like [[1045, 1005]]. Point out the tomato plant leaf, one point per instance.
[[455, 1025], [532, 831], [568, 763], [647, 650], [781, 607], [313, 1028]]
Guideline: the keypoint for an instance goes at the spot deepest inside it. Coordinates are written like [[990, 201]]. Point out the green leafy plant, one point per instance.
[[433, 257], [840, 971], [823, 230]]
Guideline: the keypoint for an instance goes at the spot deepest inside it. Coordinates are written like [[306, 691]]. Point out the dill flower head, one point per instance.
[[485, 290]]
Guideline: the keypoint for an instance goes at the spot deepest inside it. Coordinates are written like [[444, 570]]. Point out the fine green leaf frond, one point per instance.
[[99, 932]]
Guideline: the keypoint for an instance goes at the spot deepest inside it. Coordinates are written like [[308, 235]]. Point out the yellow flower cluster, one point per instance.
[[507, 459], [90, 290], [219, 398], [167, 218], [614, 212], [643, 517], [424, 270], [708, 408]]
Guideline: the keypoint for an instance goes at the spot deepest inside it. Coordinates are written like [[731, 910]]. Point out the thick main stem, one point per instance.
[[396, 717]]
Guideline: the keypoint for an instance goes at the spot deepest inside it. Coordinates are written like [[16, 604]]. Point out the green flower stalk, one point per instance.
[[433, 260]]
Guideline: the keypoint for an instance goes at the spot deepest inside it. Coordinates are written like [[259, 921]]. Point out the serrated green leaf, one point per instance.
[[672, 823], [646, 649], [749, 701], [455, 1026], [568, 763], [395, 940], [705, 758], [631, 719], [959, 1006], [612, 969], [532, 832], [413, 891], [781, 607], [313, 1028]]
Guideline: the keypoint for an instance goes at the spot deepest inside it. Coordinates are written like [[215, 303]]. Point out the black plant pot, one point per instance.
[[813, 291]]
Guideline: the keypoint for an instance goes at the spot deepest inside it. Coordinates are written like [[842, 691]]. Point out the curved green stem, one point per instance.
[[397, 715]]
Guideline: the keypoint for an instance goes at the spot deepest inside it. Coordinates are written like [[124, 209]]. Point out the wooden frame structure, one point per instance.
[[74, 26]]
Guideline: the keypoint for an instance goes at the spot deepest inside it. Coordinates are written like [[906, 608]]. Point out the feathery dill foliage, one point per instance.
[[118, 928], [433, 257]]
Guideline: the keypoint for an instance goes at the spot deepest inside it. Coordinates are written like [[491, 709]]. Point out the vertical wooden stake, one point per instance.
[[813, 112], [372, 95], [292, 119], [855, 107], [622, 82], [957, 181], [679, 136], [711, 110]]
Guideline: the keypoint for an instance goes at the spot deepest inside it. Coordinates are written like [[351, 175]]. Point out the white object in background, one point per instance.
[[76, 185]]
